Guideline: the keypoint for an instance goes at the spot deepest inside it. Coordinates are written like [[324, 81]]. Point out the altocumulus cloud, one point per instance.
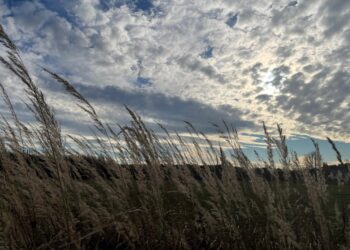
[[202, 61]]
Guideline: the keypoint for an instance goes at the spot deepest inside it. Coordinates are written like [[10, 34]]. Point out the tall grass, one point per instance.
[[137, 189]]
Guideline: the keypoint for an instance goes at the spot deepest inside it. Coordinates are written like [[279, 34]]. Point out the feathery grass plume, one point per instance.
[[198, 150], [213, 154], [42, 110], [144, 137], [89, 109], [16, 149], [269, 141], [8, 102], [295, 160], [238, 151], [185, 150], [281, 146], [231, 137], [85, 105], [50, 128], [310, 160], [318, 157], [177, 154], [334, 147], [83, 145]]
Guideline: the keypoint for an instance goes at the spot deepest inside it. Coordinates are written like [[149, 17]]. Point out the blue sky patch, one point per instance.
[[208, 53], [232, 20], [61, 7], [143, 5], [146, 6], [143, 81], [300, 145]]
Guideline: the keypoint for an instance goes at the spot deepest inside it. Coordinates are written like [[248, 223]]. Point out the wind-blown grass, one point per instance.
[[139, 190]]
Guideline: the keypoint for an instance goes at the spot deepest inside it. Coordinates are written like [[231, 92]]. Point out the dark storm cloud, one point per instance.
[[163, 107], [159, 106]]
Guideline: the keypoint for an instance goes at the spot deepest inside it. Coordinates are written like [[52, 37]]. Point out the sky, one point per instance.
[[246, 62]]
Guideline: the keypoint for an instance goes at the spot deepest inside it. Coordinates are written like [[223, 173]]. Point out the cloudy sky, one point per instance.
[[246, 62]]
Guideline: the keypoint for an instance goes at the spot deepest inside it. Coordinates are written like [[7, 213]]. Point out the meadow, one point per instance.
[[136, 189]]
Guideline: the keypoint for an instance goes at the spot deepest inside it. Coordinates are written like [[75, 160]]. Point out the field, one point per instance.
[[135, 189]]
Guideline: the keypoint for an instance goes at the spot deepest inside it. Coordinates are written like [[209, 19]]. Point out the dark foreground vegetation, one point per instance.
[[134, 189]]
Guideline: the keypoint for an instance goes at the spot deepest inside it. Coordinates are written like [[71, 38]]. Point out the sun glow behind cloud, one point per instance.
[[267, 85]]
